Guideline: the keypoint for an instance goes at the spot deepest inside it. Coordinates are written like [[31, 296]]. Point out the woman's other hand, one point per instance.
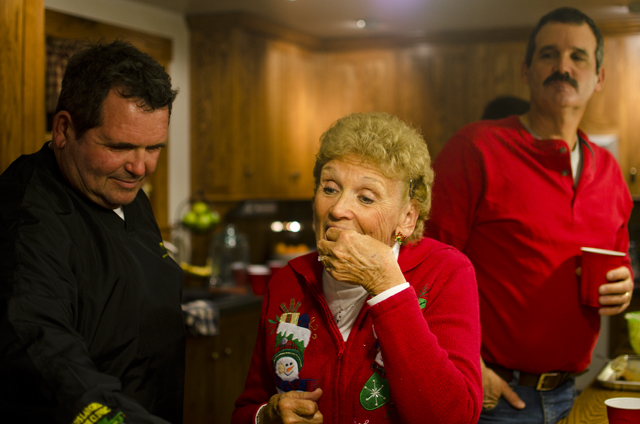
[[360, 260], [292, 408]]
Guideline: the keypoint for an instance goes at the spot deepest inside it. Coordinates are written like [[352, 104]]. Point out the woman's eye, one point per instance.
[[366, 200], [329, 190]]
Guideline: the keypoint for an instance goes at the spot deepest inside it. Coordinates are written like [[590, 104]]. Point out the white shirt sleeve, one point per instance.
[[257, 421], [387, 294]]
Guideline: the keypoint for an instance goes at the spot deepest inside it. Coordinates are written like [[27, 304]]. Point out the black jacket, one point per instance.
[[90, 317]]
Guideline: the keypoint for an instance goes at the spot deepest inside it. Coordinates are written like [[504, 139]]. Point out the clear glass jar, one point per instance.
[[229, 257]]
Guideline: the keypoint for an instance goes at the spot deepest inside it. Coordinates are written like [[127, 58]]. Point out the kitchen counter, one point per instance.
[[589, 408]]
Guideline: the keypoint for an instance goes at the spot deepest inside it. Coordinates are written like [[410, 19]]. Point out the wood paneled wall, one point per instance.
[[438, 88], [616, 109], [262, 95], [22, 116]]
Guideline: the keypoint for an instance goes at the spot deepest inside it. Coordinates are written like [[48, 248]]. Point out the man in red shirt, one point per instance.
[[520, 196]]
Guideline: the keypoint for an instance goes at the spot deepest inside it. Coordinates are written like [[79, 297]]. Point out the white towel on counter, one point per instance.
[[201, 318]]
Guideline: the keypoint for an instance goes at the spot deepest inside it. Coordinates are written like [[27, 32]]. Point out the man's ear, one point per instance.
[[408, 219], [524, 75], [599, 79], [62, 129]]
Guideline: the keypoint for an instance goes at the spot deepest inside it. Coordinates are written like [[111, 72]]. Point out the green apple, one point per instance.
[[204, 221], [215, 217], [190, 219], [200, 208]]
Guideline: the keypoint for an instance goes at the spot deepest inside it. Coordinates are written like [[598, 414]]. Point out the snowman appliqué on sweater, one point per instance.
[[292, 338]]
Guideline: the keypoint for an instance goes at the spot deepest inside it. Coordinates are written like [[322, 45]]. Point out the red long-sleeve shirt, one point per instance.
[[508, 202], [431, 355]]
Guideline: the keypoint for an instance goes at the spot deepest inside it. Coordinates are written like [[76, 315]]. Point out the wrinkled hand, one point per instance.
[[360, 260], [493, 388], [292, 408]]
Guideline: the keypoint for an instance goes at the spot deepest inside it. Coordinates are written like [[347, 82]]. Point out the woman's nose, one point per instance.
[[342, 208]]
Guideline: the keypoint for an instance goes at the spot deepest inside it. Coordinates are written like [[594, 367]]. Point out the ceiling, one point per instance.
[[337, 18]]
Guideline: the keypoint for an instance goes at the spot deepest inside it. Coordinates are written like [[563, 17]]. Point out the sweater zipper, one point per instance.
[[342, 343], [334, 326]]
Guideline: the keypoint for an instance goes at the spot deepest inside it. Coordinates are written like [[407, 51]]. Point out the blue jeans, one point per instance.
[[542, 407]]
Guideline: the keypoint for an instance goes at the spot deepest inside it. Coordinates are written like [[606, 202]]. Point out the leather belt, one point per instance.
[[542, 382]]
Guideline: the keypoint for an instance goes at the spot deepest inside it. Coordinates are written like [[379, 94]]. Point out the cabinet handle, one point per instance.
[[632, 174], [228, 351], [215, 356]]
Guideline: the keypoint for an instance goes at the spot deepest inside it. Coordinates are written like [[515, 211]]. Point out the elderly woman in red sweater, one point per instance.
[[380, 325]]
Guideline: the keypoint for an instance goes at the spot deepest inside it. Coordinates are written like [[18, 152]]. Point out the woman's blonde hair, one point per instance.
[[398, 150]]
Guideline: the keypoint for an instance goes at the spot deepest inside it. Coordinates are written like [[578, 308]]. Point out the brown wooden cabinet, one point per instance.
[[629, 87], [217, 366], [251, 99]]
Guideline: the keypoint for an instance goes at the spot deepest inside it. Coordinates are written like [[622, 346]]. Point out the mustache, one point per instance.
[[557, 76]]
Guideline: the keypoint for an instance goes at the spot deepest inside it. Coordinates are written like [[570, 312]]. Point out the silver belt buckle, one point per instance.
[[540, 387]]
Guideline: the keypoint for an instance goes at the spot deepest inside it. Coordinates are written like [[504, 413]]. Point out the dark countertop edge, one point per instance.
[[227, 303]]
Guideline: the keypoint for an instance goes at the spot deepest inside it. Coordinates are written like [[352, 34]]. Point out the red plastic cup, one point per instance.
[[275, 266], [258, 278], [623, 410], [239, 271], [595, 265]]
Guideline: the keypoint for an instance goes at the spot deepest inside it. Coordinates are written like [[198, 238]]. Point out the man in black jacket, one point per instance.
[[90, 320]]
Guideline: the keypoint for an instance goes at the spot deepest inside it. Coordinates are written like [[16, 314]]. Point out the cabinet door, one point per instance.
[[293, 131], [217, 367], [227, 109], [254, 132], [200, 379]]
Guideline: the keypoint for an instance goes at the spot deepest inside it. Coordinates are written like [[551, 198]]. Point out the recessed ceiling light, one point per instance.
[[361, 24]]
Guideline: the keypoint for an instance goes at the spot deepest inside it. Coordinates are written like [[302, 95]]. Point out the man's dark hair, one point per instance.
[[504, 106], [98, 68], [566, 15]]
